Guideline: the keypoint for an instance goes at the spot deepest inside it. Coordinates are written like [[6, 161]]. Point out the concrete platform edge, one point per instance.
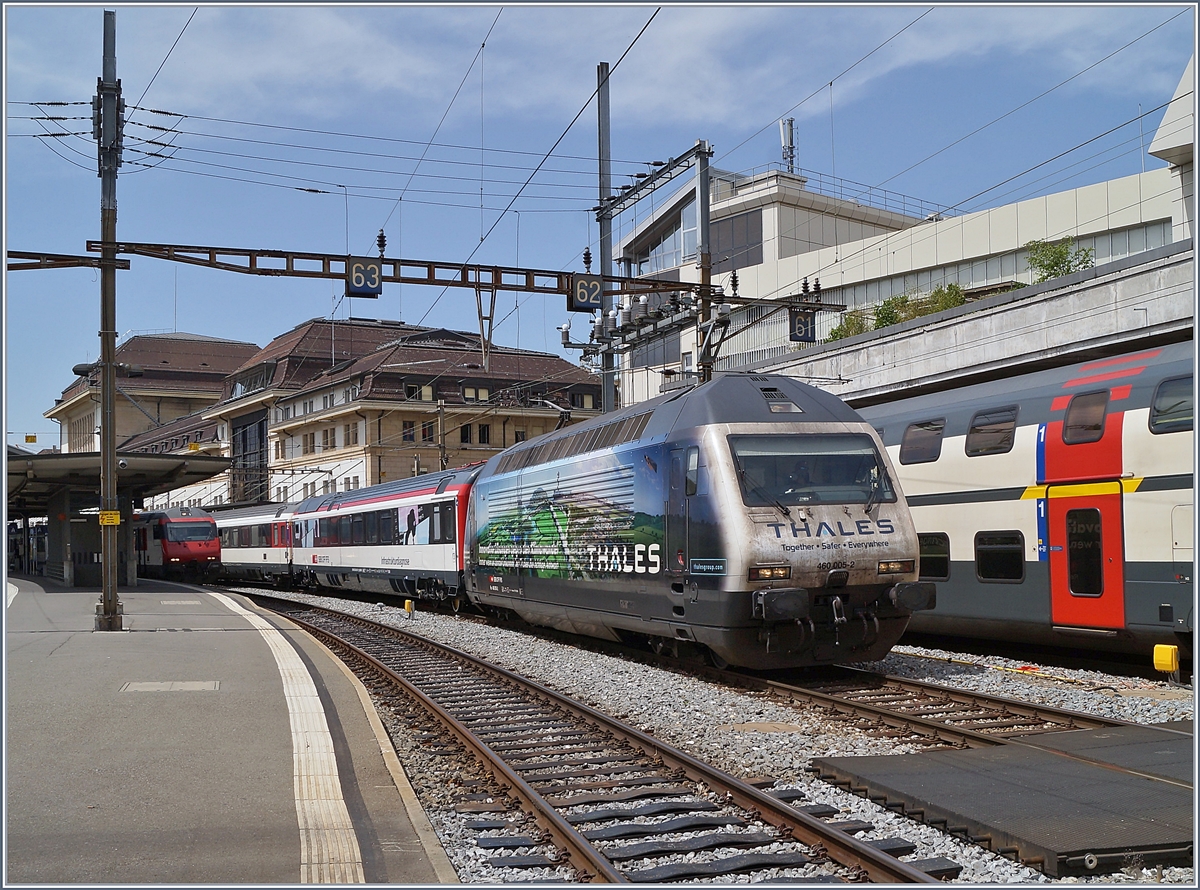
[[416, 813]]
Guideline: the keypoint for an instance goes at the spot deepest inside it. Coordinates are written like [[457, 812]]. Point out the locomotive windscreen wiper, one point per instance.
[[755, 487]]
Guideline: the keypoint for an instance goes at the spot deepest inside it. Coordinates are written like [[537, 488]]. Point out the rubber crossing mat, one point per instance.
[[1142, 748], [1061, 815]]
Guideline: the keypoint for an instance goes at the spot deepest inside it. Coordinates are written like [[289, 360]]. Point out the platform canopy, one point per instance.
[[33, 479]]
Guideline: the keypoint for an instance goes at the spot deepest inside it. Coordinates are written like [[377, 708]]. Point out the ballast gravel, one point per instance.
[[748, 735]]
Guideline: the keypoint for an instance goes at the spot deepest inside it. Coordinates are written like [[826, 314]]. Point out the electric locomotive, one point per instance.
[[753, 518], [180, 541]]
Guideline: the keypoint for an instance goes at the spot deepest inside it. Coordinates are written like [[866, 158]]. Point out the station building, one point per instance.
[[338, 405], [783, 232]]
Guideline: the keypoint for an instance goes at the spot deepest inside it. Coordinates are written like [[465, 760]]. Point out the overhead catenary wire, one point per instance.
[[578, 115]]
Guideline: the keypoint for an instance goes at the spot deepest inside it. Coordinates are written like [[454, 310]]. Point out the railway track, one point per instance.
[[572, 786]]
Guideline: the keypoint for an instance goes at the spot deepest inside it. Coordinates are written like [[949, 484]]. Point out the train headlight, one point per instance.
[[770, 573], [174, 559], [896, 566]]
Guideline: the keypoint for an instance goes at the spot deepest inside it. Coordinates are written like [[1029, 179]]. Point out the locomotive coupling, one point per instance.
[[913, 596], [787, 604]]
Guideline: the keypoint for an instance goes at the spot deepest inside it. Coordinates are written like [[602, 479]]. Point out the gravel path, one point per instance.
[[713, 724]]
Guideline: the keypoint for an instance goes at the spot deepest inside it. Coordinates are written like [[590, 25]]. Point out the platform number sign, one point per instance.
[[364, 277], [802, 325], [587, 294]]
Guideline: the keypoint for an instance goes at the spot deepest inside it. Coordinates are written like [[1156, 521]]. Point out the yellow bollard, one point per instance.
[[410, 607]]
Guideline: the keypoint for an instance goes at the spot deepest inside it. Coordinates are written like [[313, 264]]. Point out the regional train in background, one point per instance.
[[1056, 507], [180, 542], [753, 519]]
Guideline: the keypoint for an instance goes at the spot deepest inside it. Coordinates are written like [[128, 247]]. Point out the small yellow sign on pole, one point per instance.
[[30, 438], [110, 517]]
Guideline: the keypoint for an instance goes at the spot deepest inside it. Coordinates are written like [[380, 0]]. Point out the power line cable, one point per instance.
[[578, 115], [829, 83], [1025, 104], [164, 61]]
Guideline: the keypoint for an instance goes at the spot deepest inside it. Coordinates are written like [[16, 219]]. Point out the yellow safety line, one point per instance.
[[329, 850]]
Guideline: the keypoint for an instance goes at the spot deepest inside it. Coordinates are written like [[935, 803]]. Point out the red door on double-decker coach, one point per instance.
[[1087, 555], [1082, 464]]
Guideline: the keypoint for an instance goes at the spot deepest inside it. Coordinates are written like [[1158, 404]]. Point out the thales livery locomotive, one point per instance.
[[1056, 507], [179, 542], [752, 518]]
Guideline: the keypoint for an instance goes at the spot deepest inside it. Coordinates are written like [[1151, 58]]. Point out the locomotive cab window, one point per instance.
[[1171, 411], [1000, 557], [935, 556], [1085, 553], [922, 442], [1085, 418], [992, 432], [791, 470]]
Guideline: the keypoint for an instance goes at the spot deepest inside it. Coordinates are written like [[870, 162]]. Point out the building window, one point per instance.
[[922, 442], [308, 443], [464, 434], [583, 400], [350, 483], [279, 449], [328, 486], [1171, 411], [518, 435], [309, 406], [418, 392], [326, 402], [409, 433], [1085, 418], [281, 494], [1000, 556], [328, 439], [935, 556], [992, 432], [475, 394], [350, 434], [427, 431], [485, 434]]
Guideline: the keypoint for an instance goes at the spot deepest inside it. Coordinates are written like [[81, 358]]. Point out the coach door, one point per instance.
[[1087, 555], [676, 516]]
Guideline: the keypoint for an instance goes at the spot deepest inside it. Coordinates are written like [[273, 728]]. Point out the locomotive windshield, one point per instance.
[[191, 531], [794, 469]]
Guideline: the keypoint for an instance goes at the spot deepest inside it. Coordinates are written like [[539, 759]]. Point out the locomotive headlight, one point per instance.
[[770, 573], [896, 566]]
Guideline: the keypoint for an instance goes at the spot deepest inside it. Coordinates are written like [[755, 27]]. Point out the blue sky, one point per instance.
[[348, 99]]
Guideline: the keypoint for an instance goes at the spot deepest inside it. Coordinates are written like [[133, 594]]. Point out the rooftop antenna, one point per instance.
[[787, 139]]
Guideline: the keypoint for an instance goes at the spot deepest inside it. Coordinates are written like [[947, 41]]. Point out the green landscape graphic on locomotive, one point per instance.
[[582, 521]]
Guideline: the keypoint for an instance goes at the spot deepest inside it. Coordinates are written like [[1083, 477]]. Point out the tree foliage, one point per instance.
[[1052, 259], [893, 310]]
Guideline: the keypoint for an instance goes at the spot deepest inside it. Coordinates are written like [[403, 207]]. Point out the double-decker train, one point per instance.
[[752, 518], [178, 542], [1056, 507]]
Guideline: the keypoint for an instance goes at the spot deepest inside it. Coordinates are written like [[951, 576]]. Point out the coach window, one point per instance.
[[935, 556], [371, 527], [992, 432], [343, 529], [356, 528], [1085, 555], [1000, 557], [1171, 411], [1085, 418], [387, 522], [922, 442]]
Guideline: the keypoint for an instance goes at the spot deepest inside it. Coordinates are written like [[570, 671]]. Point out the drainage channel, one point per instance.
[[578, 788]]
